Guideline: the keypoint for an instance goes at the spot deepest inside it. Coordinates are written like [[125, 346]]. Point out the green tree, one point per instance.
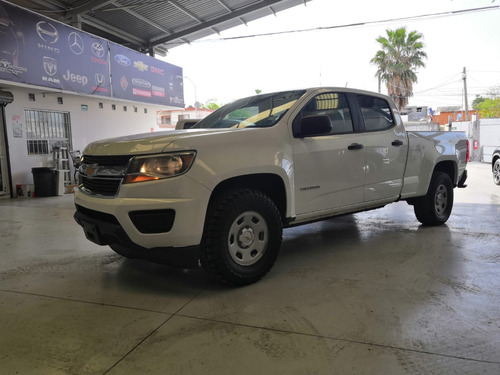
[[489, 108], [476, 102], [211, 104], [397, 61]]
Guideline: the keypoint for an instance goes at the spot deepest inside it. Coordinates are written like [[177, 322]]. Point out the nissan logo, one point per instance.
[[141, 82], [47, 32], [75, 43], [123, 60]]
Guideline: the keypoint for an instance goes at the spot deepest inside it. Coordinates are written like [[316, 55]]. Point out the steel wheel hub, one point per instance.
[[441, 200], [248, 238]]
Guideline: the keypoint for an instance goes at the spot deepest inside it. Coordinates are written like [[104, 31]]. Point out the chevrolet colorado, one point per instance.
[[221, 192]]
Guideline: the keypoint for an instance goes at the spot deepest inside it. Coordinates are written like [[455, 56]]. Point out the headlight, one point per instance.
[[156, 167]]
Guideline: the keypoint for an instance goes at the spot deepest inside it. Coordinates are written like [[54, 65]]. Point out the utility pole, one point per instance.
[[464, 76]]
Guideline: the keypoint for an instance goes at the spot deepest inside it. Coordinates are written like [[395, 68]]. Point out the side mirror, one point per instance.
[[315, 125], [186, 123]]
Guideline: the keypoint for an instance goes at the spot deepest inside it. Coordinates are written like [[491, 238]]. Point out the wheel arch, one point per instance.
[[269, 184], [494, 159], [450, 168]]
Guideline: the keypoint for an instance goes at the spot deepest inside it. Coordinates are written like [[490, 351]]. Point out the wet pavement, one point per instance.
[[370, 293]]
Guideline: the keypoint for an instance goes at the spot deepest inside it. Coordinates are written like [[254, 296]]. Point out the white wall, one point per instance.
[[489, 137], [86, 126]]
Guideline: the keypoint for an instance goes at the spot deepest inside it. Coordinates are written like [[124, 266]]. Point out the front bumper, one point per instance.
[[148, 220], [104, 229]]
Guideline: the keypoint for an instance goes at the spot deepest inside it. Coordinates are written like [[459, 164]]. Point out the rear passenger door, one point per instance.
[[386, 148], [328, 167]]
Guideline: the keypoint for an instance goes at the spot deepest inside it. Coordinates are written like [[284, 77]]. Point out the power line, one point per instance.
[[366, 23]]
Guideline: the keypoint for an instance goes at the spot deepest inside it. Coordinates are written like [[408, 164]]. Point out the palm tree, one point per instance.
[[397, 62]]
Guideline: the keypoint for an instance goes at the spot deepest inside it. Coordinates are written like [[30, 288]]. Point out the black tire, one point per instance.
[[496, 172], [435, 207], [242, 238]]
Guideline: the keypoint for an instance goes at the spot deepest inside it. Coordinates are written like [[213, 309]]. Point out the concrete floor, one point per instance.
[[371, 293]]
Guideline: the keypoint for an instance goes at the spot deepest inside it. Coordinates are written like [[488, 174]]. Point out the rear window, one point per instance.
[[376, 113]]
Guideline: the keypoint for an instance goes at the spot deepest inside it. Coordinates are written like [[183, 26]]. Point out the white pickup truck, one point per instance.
[[220, 193]]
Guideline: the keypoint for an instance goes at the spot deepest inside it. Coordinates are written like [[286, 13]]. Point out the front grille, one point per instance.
[[102, 184], [97, 215], [108, 160]]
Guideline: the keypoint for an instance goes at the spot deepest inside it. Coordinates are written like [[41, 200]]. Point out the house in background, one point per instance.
[[168, 118], [448, 115], [416, 114]]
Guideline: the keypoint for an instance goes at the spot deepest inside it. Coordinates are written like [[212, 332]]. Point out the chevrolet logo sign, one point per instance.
[[141, 66]]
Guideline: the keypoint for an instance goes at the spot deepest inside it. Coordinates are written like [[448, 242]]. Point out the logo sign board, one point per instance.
[[143, 78], [39, 51], [44, 52]]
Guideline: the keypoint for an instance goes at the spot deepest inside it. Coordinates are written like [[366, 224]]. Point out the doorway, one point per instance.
[[4, 167]]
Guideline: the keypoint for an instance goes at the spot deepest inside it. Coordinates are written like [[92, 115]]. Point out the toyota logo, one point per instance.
[[98, 49], [47, 32], [75, 43]]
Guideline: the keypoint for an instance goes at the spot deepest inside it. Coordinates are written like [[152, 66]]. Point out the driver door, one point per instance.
[[329, 167]]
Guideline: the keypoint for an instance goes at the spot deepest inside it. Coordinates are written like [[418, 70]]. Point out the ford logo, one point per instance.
[[141, 82], [123, 60]]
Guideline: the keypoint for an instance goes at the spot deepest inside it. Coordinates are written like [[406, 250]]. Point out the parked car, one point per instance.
[[222, 192], [495, 166]]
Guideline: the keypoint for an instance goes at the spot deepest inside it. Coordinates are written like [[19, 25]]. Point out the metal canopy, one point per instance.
[[155, 26]]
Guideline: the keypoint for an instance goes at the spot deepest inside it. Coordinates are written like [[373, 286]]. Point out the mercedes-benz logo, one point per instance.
[[47, 32], [75, 43], [98, 49]]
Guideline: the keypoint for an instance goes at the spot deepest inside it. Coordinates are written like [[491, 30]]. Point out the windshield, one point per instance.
[[256, 111]]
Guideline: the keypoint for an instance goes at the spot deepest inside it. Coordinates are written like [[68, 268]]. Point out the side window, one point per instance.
[[376, 113], [333, 105]]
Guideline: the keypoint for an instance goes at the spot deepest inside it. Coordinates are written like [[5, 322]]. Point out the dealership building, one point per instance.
[[62, 88]]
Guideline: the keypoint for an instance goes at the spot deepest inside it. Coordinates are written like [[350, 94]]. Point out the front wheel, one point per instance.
[[496, 172], [242, 237], [435, 207]]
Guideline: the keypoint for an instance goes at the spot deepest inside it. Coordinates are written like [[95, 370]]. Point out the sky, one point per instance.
[[226, 67]]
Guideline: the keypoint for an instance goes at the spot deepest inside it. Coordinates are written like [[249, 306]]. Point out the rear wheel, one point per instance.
[[242, 237], [496, 172], [435, 207]]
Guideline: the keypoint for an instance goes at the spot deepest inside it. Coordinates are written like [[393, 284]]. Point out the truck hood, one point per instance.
[[148, 143]]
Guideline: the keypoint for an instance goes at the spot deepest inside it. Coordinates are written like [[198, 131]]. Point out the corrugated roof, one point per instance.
[[157, 25]]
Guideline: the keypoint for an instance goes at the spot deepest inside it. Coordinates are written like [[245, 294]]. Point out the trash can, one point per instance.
[[45, 182]]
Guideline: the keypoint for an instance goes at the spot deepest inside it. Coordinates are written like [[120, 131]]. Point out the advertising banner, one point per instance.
[[39, 51], [139, 77]]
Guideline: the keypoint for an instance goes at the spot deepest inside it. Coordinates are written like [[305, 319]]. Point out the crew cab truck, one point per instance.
[[221, 192]]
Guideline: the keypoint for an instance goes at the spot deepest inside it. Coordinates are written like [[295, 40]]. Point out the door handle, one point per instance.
[[397, 143], [355, 146]]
